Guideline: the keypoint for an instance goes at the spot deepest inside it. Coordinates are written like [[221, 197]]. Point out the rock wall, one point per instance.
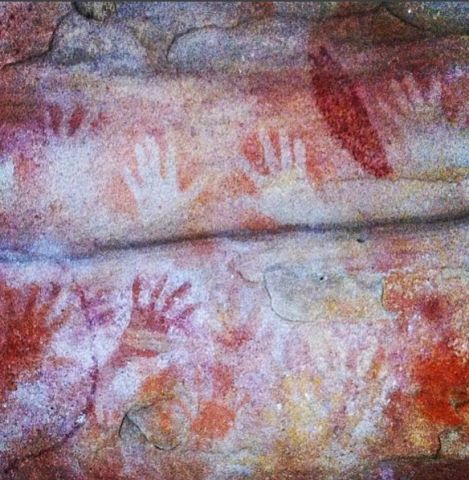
[[234, 240]]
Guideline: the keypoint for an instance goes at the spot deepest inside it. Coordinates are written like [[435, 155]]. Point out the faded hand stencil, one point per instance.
[[156, 307], [280, 166], [157, 336], [40, 373], [154, 185], [27, 323], [422, 142], [288, 161], [69, 143]]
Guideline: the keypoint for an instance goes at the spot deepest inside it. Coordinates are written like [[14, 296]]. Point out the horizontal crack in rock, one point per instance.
[[405, 225]]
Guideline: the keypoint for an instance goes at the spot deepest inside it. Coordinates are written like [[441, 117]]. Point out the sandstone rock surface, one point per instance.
[[234, 241], [192, 358], [441, 17]]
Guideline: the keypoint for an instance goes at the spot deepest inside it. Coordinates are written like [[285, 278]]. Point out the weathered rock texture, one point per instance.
[[234, 241]]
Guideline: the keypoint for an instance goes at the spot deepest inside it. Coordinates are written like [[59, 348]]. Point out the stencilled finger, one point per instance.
[[157, 291], [171, 167], [159, 301], [195, 189], [7, 175], [54, 121], [151, 164], [131, 181], [388, 112], [176, 298], [435, 93], [286, 157], [415, 95], [270, 158], [141, 158], [299, 151], [400, 99]]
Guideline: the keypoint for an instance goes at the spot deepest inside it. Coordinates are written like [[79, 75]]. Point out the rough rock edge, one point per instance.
[[178, 36], [92, 11]]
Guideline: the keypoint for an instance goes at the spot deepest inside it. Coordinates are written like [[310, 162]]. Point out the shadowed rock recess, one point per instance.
[[234, 241]]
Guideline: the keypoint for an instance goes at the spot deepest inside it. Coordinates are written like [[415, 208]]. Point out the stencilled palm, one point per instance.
[[155, 185], [7, 180], [284, 191], [157, 307], [425, 143], [287, 164]]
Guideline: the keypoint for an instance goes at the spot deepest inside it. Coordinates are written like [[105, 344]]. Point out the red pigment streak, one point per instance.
[[68, 124], [76, 119], [443, 381], [345, 114], [25, 330], [56, 118], [127, 351]]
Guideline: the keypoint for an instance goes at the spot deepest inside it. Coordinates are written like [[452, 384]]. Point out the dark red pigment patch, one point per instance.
[[347, 118], [213, 421], [443, 380], [439, 373], [25, 330]]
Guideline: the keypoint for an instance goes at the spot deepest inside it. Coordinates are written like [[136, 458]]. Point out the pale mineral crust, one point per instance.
[[234, 241]]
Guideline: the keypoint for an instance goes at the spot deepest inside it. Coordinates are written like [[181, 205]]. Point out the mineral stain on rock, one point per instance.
[[443, 385]]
